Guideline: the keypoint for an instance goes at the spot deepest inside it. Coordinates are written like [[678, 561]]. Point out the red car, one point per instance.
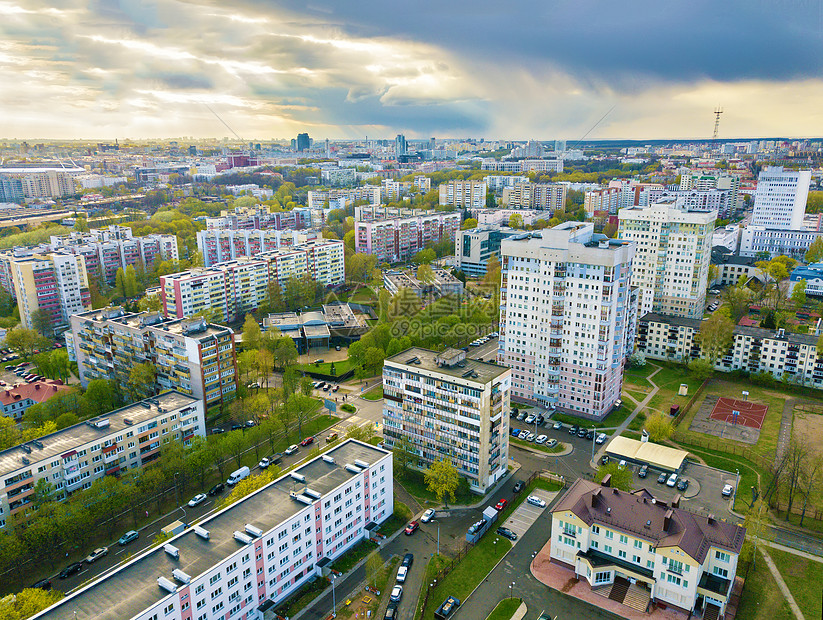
[[501, 504], [307, 441], [411, 528]]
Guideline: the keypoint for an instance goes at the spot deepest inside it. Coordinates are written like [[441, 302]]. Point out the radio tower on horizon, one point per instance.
[[717, 112]]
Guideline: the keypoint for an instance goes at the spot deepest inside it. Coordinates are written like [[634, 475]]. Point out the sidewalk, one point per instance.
[[784, 589]]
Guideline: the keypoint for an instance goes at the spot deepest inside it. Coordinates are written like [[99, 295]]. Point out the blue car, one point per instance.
[[515, 432]]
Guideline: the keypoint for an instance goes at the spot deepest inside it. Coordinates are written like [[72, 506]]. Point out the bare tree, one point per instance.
[[811, 480], [797, 453]]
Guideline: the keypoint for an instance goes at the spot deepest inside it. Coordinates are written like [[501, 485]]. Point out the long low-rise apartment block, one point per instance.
[[244, 560], [74, 457], [785, 355], [219, 246], [192, 356]]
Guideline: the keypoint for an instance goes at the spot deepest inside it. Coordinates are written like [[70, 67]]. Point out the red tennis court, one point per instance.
[[742, 412]]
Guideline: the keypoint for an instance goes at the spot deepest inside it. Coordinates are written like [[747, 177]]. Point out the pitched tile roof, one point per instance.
[[38, 391], [648, 518]]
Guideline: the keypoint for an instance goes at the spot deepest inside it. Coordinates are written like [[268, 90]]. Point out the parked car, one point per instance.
[[96, 555], [551, 443], [573, 430], [335, 388], [541, 439], [75, 567], [217, 489], [337, 347], [307, 441], [672, 480], [682, 484], [129, 536], [291, 450], [515, 432], [521, 416], [536, 501], [43, 584], [643, 471], [391, 612], [590, 435], [197, 499], [264, 463], [250, 423], [518, 486], [727, 490], [217, 431], [401, 574], [428, 515], [396, 593], [523, 434], [408, 560], [501, 504], [530, 418], [661, 479], [540, 420], [327, 387], [601, 439], [557, 426], [530, 437], [447, 607], [236, 427], [581, 433], [506, 533], [411, 528]]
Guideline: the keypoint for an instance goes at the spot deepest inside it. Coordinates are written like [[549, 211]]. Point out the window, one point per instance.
[[609, 534], [624, 540], [603, 577], [621, 554], [638, 544], [199, 589], [723, 557], [720, 572]]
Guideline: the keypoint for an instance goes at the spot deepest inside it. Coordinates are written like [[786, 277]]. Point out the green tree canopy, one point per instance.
[[442, 479]]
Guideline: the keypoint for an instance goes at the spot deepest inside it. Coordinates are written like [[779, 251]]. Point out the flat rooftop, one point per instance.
[[151, 320], [425, 359], [133, 588], [70, 438]]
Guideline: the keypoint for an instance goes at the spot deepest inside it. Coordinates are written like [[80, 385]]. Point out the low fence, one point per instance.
[[688, 406]]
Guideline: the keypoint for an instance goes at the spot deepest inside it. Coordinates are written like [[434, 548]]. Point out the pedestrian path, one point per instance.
[[784, 589]]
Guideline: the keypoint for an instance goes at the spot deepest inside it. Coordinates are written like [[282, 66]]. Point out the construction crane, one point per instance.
[[717, 112]]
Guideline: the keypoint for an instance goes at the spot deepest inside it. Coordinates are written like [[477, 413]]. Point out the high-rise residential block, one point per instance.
[[303, 142], [780, 199], [401, 238], [447, 406], [401, 147], [191, 356], [11, 189], [671, 262], [551, 196], [463, 194], [474, 247], [567, 317], [55, 284], [72, 458], [219, 246], [604, 200]]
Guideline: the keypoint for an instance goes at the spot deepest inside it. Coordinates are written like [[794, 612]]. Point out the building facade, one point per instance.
[[401, 238], [245, 559], [15, 400], [219, 246], [463, 194], [447, 406], [650, 549], [474, 247], [190, 356], [550, 196], [671, 264], [74, 457], [567, 317], [771, 242], [780, 199]]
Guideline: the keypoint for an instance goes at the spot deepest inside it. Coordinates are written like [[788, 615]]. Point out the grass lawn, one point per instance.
[[668, 380], [803, 577], [478, 563], [384, 581], [637, 423], [363, 295], [415, 485], [613, 420], [761, 598], [400, 517], [374, 393], [433, 567], [347, 561], [375, 441], [536, 446], [340, 367], [303, 597], [505, 609]]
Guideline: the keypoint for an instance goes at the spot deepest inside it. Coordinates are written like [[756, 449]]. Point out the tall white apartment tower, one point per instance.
[[567, 315], [780, 200], [671, 262]]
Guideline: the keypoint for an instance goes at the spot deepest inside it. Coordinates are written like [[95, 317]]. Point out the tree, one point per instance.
[[492, 277], [373, 565], [701, 369], [100, 397], [24, 341], [715, 337], [130, 286], [142, 379], [425, 274], [637, 359], [621, 477], [469, 223], [737, 298], [659, 426], [515, 221], [424, 256], [442, 479], [120, 284], [27, 603], [798, 295], [403, 456], [252, 334], [81, 225], [249, 485], [41, 321], [815, 252]]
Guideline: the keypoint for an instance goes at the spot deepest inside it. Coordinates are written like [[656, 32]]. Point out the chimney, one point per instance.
[[595, 495], [676, 501], [667, 520], [711, 519], [607, 481], [36, 386]]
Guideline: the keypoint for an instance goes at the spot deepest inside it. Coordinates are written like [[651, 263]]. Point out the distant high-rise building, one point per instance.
[[400, 145], [559, 146], [303, 142], [780, 200], [11, 189]]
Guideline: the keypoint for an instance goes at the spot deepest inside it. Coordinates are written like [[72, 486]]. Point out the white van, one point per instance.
[[237, 476]]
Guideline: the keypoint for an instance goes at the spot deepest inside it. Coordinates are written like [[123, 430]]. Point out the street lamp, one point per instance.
[[176, 489], [333, 599], [736, 484], [593, 440]]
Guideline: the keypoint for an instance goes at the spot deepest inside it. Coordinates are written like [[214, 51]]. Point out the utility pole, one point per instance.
[[717, 112]]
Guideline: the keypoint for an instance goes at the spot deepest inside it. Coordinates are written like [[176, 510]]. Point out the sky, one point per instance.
[[523, 69]]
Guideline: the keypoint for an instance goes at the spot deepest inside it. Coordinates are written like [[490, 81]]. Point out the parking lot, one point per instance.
[[526, 514]]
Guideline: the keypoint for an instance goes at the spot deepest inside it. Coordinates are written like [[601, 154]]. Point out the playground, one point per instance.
[[730, 418]]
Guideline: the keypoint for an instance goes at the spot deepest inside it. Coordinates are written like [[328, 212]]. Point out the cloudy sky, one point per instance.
[[351, 68]]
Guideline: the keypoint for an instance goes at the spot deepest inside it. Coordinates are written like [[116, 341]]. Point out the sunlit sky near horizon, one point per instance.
[[105, 69]]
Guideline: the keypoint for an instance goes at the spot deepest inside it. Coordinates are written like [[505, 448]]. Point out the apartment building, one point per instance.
[[671, 264], [11, 189], [523, 165], [501, 217], [401, 238], [599, 201], [780, 199], [74, 457], [498, 182], [448, 406], [249, 557], [708, 182], [550, 196], [567, 316], [191, 356], [717, 200], [260, 218], [463, 194], [342, 198], [638, 549], [474, 247], [15, 400], [48, 184], [55, 283], [730, 267], [221, 245], [758, 240]]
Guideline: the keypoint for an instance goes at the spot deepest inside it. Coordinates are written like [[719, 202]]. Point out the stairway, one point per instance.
[[637, 597], [712, 612], [619, 589]]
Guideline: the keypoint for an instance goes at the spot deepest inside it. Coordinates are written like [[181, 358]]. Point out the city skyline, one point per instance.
[[272, 70]]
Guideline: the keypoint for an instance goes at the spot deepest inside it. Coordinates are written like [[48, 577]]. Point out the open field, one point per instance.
[[761, 598], [803, 577]]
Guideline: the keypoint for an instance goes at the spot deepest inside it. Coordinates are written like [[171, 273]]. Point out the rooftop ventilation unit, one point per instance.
[[166, 584], [180, 576], [468, 373], [26, 461], [352, 468], [312, 493], [102, 423], [38, 443], [302, 499], [128, 421], [328, 459], [413, 360], [243, 538], [298, 477], [26, 448], [361, 464], [254, 531], [171, 550], [202, 532]]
